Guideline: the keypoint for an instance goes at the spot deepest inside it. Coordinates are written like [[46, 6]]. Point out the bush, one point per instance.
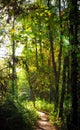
[[44, 106], [31, 113], [12, 117], [56, 121]]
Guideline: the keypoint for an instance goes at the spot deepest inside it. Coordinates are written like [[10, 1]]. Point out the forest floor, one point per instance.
[[43, 122]]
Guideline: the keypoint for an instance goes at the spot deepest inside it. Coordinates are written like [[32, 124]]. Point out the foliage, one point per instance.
[[13, 116], [32, 115], [39, 46], [55, 119], [49, 108], [44, 105]]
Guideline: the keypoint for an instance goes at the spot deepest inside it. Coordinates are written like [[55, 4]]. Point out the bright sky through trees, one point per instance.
[[4, 50]]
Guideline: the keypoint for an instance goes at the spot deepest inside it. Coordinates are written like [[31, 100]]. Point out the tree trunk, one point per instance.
[[55, 70], [63, 88], [53, 61], [37, 64], [74, 63], [13, 60]]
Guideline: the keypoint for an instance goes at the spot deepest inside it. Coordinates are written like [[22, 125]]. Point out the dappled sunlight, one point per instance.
[[43, 116], [40, 64], [43, 123]]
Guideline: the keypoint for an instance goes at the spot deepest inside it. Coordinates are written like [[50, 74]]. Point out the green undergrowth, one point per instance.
[[14, 116], [49, 108], [55, 120], [44, 106], [28, 105]]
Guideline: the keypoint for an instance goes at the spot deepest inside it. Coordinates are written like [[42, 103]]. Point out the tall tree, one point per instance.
[[64, 77], [56, 66], [52, 54], [74, 62]]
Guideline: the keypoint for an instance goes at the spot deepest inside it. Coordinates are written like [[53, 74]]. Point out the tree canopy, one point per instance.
[[40, 54]]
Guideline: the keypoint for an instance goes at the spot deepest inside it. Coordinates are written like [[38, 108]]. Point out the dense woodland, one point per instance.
[[39, 63]]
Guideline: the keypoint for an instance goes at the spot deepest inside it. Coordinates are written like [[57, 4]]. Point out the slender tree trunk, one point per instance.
[[51, 82], [55, 70], [13, 60], [53, 58], [41, 46], [14, 74], [74, 62], [63, 88], [37, 64], [59, 58]]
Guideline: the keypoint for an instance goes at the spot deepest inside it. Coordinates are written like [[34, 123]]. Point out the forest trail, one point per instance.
[[43, 123]]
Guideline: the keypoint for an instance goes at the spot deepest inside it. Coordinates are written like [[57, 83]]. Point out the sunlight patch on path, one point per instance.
[[43, 123]]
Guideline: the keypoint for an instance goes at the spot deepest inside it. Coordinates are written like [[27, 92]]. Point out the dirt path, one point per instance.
[[43, 123]]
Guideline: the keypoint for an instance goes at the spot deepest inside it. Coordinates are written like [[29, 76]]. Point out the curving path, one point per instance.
[[43, 123]]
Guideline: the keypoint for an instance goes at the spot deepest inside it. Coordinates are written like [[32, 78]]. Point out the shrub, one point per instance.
[[44, 106], [56, 121], [14, 118], [31, 113]]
